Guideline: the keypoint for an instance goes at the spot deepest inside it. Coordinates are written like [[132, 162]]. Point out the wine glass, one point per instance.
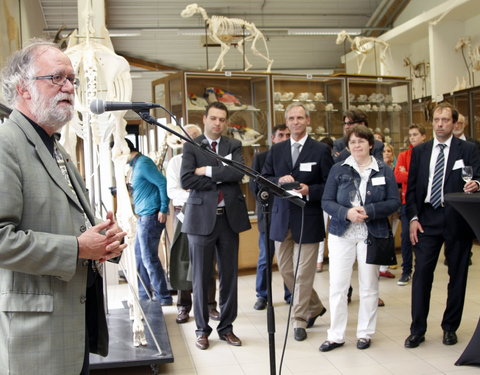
[[467, 174]]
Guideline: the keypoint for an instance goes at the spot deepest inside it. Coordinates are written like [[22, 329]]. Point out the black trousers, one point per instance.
[[457, 249], [223, 242]]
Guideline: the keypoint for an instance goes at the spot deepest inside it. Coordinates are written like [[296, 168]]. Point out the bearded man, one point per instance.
[[51, 307]]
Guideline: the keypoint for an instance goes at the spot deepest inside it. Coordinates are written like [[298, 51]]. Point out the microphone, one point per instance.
[[205, 144], [98, 106]]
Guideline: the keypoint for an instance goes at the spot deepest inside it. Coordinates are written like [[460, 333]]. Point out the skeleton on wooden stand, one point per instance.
[[224, 30], [104, 74], [362, 45]]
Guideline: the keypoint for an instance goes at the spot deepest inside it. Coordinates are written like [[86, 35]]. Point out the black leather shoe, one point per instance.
[[202, 342], [214, 314], [449, 338], [182, 317], [300, 334], [311, 321], [260, 304], [413, 341], [330, 345], [363, 343]]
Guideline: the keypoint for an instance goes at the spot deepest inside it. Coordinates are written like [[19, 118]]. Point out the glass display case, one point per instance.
[[323, 96], [387, 103], [247, 97]]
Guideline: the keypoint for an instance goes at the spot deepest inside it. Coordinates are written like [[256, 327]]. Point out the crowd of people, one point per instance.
[[53, 246]]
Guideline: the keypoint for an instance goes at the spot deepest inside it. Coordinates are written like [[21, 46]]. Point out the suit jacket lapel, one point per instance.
[[47, 160], [453, 155]]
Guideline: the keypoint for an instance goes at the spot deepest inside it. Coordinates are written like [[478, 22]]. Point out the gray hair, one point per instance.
[[296, 104], [20, 67], [194, 126]]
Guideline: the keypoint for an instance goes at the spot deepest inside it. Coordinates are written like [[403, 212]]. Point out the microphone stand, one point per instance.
[[266, 188]]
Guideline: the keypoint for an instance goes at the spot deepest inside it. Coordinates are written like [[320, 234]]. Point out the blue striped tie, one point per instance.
[[437, 183]]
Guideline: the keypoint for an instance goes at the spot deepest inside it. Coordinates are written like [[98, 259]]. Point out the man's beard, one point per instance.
[[48, 113]]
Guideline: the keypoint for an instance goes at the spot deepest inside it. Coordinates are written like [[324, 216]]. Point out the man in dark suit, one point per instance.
[[351, 118], [304, 160], [215, 214], [459, 131], [279, 134], [435, 170]]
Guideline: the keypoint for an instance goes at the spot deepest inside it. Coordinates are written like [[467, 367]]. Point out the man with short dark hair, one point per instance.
[[280, 133], [150, 203], [416, 135], [215, 214], [435, 170], [351, 118], [51, 294]]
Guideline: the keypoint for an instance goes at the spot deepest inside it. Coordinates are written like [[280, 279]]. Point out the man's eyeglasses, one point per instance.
[[348, 123], [60, 79]]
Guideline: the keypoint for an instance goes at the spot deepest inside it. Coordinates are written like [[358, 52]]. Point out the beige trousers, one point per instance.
[[306, 303]]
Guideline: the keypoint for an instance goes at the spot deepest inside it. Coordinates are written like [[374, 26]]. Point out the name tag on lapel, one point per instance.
[[307, 167], [378, 181], [228, 157], [458, 164]]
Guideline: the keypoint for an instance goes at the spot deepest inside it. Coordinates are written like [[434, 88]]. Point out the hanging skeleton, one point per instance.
[[419, 71], [472, 59], [362, 45], [224, 31], [104, 74]]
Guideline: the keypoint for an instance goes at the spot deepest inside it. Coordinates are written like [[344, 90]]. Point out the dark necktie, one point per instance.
[[437, 182], [220, 192]]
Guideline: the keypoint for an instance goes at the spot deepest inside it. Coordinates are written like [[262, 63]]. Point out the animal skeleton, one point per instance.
[[224, 30], [102, 71], [362, 45], [473, 53], [420, 70]]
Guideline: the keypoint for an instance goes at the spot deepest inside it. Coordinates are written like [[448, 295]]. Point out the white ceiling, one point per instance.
[[161, 30]]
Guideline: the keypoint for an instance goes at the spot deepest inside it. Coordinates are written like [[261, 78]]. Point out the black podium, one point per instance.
[[468, 205]]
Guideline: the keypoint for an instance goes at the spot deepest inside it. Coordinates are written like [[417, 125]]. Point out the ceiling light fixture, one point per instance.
[[322, 31]]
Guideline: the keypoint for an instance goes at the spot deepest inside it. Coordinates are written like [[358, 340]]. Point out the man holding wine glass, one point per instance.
[[435, 170]]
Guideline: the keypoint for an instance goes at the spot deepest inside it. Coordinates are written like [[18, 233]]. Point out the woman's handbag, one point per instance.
[[380, 250]]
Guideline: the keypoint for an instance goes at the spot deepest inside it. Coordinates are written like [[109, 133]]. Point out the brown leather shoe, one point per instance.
[[182, 317], [231, 339], [214, 314], [202, 342]]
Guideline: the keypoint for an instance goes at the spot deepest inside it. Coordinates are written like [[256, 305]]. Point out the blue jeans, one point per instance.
[[261, 279], [149, 267], [406, 244]]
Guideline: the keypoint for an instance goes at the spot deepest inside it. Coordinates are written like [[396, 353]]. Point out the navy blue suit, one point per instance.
[[443, 225], [286, 215]]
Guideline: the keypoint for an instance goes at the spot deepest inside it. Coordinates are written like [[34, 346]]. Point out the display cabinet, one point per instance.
[[323, 97], [247, 97], [387, 103]]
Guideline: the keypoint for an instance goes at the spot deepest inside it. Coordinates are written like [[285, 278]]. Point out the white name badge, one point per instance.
[[306, 167], [180, 217], [378, 181], [228, 157], [458, 164]]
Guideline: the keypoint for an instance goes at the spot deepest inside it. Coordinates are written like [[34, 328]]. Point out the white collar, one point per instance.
[[353, 163], [301, 141]]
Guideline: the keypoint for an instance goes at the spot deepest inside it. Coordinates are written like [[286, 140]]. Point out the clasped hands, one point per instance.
[[357, 214], [95, 245]]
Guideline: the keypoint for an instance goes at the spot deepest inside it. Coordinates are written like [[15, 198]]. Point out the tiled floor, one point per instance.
[[387, 354]]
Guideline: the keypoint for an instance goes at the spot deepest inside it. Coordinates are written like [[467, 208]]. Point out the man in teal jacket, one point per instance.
[[151, 206]]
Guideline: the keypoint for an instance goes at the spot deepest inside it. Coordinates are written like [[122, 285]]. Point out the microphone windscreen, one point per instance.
[[97, 106]]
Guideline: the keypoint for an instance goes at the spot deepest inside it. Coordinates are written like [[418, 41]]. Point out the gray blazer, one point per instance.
[[42, 283]]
